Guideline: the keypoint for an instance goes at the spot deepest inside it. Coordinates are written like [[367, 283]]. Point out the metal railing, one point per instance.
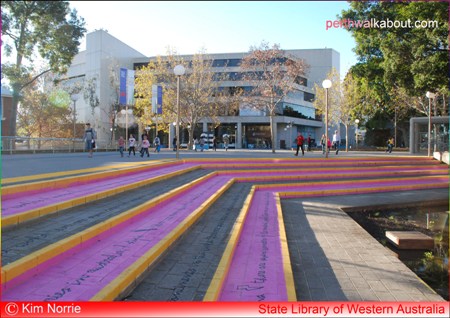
[[16, 144]]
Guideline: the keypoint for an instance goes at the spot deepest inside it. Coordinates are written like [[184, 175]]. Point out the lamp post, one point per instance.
[[430, 95], [125, 112], [289, 126], [356, 132], [395, 128], [74, 98], [326, 84], [178, 70]]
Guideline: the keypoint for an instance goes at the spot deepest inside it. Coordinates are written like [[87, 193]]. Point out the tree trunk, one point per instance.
[[272, 132], [346, 138]]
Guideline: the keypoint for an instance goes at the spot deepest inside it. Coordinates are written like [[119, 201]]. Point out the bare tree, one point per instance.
[[197, 90], [273, 74]]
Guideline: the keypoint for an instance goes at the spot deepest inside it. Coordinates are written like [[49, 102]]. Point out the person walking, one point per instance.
[[226, 141], [309, 141], [329, 145], [214, 142], [202, 143], [323, 143], [300, 140], [131, 145], [157, 143], [89, 139], [336, 141], [144, 147], [145, 134], [174, 143], [195, 143], [121, 144]]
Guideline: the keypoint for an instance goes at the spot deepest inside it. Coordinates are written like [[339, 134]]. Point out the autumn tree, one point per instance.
[[273, 74], [42, 115], [47, 28], [197, 90]]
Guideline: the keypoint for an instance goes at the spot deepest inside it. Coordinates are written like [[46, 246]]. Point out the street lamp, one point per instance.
[[326, 84], [178, 70], [430, 96], [356, 132], [125, 112], [289, 126], [74, 98]]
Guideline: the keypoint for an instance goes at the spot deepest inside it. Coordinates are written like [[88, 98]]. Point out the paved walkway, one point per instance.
[[32, 164]]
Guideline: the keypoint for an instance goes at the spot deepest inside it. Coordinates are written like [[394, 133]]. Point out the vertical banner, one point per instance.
[[157, 96], [130, 87], [159, 101], [154, 99], [123, 87]]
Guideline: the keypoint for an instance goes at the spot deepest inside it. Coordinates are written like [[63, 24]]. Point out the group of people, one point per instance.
[[133, 145], [326, 144], [90, 136]]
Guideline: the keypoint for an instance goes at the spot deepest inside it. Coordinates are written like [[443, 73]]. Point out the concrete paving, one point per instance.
[[17, 165], [332, 257]]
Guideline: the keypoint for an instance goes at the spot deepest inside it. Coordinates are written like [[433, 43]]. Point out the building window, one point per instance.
[[226, 63], [300, 80], [308, 97]]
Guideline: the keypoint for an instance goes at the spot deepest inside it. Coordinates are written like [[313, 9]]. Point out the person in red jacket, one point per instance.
[[300, 141]]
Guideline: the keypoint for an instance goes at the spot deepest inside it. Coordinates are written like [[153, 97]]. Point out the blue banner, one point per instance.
[[123, 87], [159, 100]]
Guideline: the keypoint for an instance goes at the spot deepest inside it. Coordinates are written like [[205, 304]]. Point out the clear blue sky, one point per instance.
[[219, 26]]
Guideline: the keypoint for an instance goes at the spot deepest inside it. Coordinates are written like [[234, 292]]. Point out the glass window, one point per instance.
[[308, 97], [219, 63]]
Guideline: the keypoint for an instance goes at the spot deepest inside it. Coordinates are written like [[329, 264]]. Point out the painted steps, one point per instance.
[[253, 267], [87, 266], [128, 277], [41, 198]]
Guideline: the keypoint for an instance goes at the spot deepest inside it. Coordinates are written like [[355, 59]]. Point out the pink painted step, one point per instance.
[[80, 273], [256, 270], [51, 196]]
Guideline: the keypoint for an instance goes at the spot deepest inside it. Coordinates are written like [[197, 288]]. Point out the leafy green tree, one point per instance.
[[273, 75], [407, 57], [48, 28]]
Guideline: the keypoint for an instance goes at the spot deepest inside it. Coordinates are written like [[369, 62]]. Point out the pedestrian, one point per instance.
[[226, 141], [390, 144], [131, 145], [174, 143], [202, 143], [323, 143], [336, 141], [309, 140], [157, 143], [300, 141], [144, 147], [89, 139], [195, 143], [329, 145], [214, 142], [145, 134], [121, 144]]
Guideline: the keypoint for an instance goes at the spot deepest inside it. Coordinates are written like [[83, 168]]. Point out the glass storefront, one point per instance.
[[256, 136]]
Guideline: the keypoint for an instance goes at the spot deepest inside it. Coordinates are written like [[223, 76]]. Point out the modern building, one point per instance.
[[105, 55]]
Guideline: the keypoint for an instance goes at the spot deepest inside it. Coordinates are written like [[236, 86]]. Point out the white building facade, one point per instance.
[[248, 128]]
